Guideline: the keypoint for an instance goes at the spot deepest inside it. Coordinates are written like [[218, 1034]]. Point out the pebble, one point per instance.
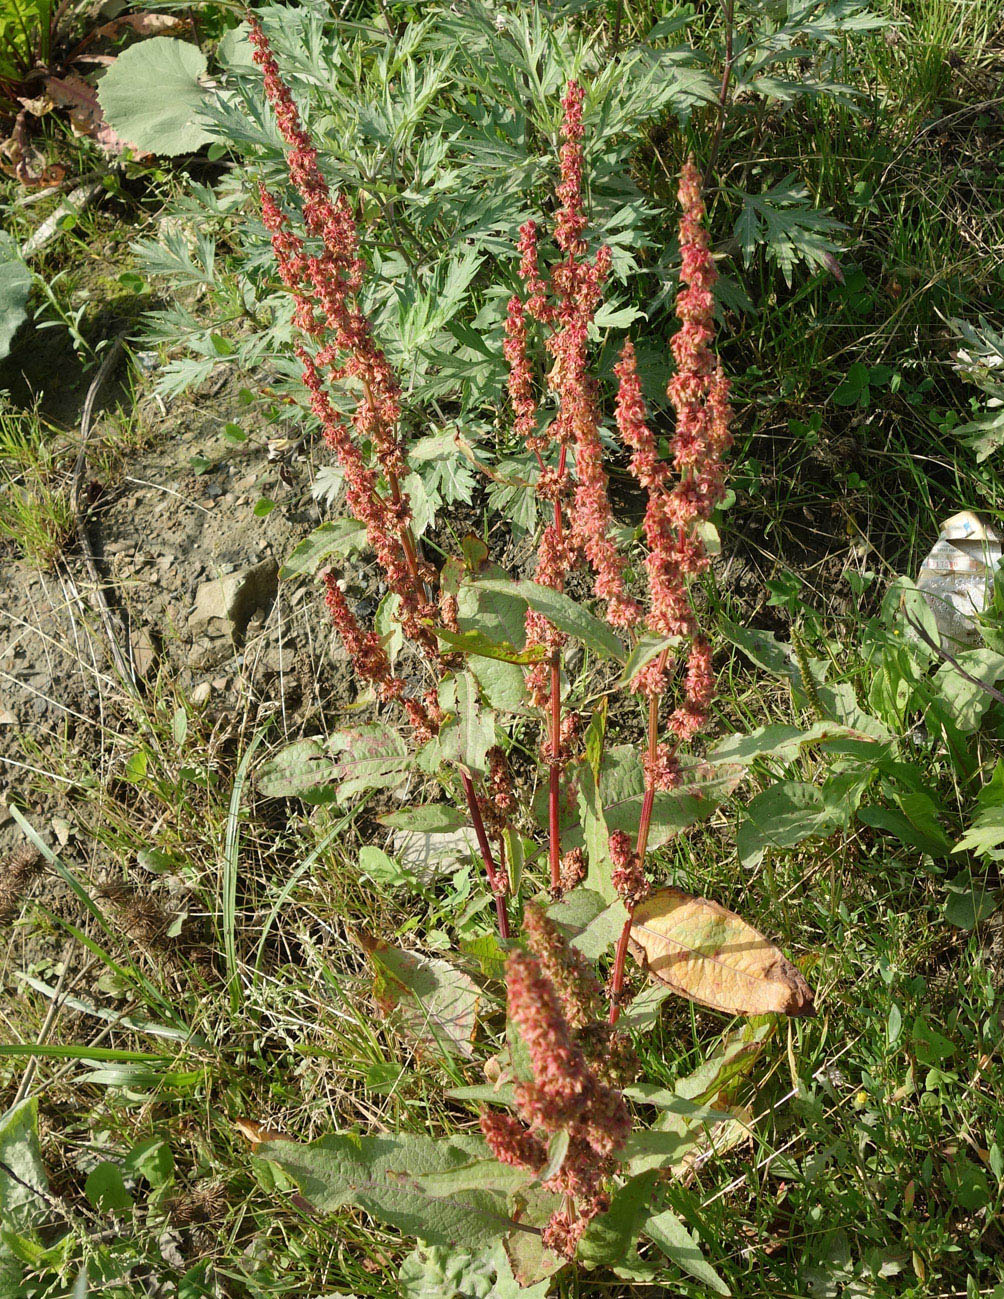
[[201, 693]]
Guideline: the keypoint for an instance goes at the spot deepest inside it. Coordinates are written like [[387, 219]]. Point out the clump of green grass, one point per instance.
[[36, 511]]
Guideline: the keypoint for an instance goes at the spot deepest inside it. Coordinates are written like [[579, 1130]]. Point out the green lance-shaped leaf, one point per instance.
[[480, 645], [683, 1249], [610, 1238], [383, 1175], [596, 835], [646, 649], [564, 613]]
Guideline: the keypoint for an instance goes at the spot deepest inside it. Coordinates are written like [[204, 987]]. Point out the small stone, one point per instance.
[[220, 683], [209, 653], [7, 717], [144, 653], [201, 693], [236, 597]]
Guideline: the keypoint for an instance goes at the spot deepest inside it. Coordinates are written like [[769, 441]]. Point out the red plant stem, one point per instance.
[[407, 540], [723, 94], [495, 881], [641, 845], [554, 778]]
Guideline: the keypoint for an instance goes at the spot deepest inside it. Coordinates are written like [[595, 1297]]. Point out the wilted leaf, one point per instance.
[[86, 117], [432, 1000], [711, 956], [143, 24]]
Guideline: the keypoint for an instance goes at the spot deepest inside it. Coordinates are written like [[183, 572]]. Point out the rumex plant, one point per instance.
[[567, 1063]]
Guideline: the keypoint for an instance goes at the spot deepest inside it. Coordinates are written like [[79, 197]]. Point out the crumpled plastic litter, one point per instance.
[[957, 576]]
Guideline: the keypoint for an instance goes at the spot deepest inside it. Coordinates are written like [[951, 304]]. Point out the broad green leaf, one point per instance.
[[563, 612], [153, 96], [15, 286], [497, 613], [529, 1259], [576, 909], [427, 856], [380, 1175], [431, 1272], [712, 956], [334, 769], [735, 1057], [432, 1001], [601, 934], [779, 742], [503, 685], [644, 1010], [664, 1099], [915, 823], [969, 901], [784, 815], [764, 649], [610, 1237], [21, 1171], [474, 1176], [682, 1248], [427, 818], [967, 701], [501, 1094], [106, 1190], [470, 733], [622, 790]]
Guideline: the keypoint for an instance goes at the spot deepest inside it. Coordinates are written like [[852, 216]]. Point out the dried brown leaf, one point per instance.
[[711, 956]]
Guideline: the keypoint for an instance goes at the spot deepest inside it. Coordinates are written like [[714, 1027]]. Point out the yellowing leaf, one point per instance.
[[708, 954]]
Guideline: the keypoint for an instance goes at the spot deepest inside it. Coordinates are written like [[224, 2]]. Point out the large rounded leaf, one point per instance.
[[15, 285], [153, 96]]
